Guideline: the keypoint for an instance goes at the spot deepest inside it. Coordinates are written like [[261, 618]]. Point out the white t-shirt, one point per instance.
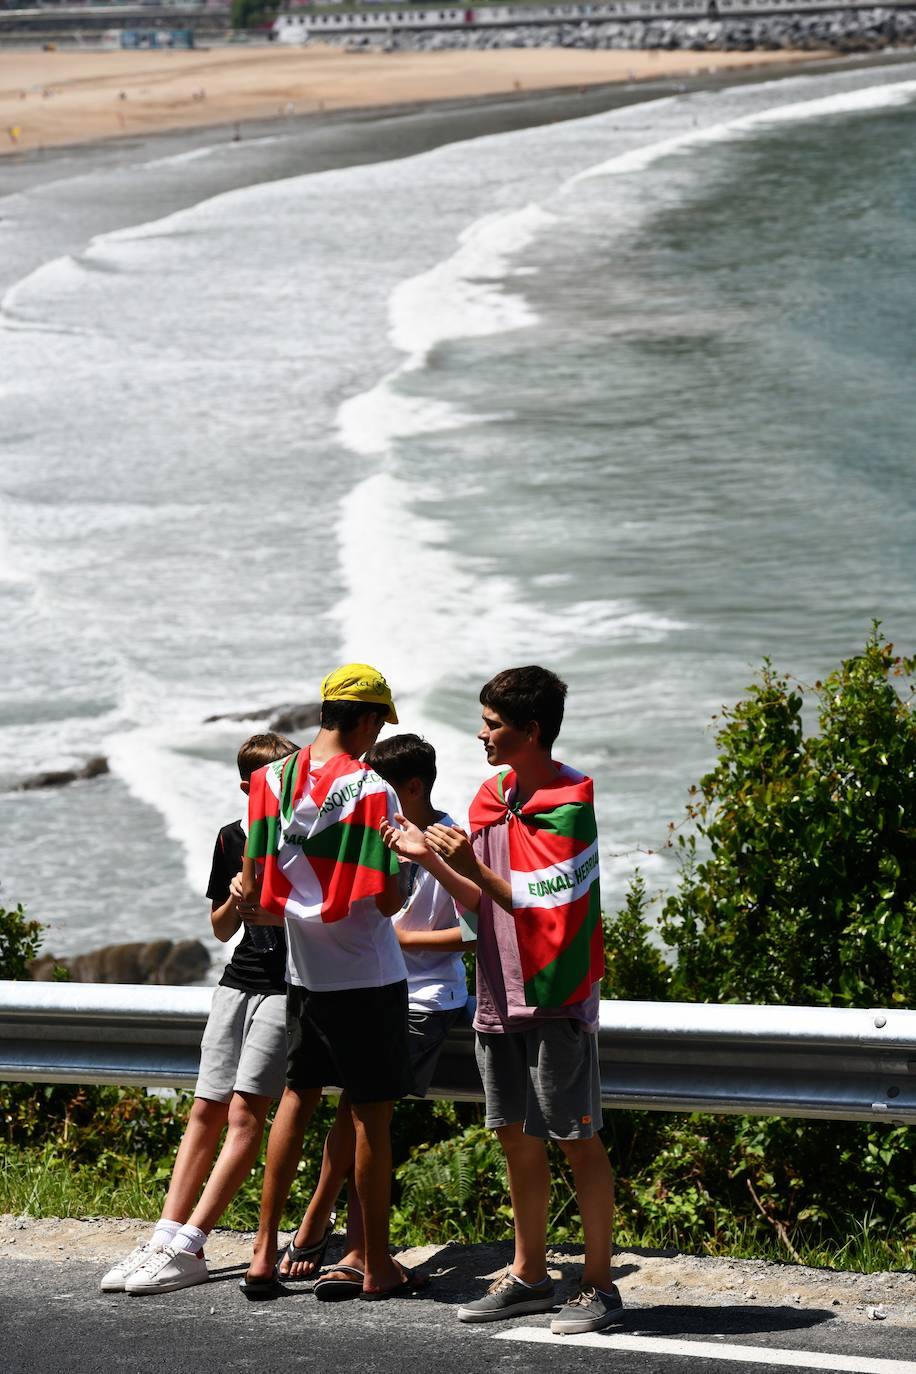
[[435, 981], [361, 951]]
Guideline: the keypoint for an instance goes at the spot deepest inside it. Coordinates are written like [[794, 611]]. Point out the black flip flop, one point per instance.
[[411, 1283], [295, 1253], [339, 1290], [255, 1290]]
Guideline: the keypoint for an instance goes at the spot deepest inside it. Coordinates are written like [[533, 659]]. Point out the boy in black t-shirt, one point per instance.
[[242, 1069]]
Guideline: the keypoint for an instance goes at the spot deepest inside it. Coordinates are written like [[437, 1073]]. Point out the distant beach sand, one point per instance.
[[52, 99]]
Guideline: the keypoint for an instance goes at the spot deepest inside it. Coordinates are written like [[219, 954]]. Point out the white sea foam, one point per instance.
[[54, 280], [433, 609], [187, 792], [840, 103], [196, 154], [462, 297], [369, 423]]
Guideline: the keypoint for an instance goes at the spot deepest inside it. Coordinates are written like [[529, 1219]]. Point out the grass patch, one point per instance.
[[43, 1181]]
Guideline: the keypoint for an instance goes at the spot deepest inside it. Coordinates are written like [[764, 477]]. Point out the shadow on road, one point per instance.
[[747, 1320]]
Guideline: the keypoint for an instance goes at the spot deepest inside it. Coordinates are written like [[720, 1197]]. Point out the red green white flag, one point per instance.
[[556, 894], [317, 835]]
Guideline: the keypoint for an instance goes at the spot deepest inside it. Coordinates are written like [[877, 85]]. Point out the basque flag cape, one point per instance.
[[556, 896], [318, 838]]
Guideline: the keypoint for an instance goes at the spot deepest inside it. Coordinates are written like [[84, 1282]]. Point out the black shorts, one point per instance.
[[355, 1039]]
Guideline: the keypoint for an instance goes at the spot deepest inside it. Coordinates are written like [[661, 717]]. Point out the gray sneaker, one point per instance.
[[507, 1298], [590, 1310]]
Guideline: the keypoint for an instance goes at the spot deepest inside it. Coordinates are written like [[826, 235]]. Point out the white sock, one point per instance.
[[190, 1239], [165, 1231], [540, 1283]]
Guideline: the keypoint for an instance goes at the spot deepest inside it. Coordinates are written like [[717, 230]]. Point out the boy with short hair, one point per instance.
[[431, 943], [242, 1066], [533, 853], [315, 856]]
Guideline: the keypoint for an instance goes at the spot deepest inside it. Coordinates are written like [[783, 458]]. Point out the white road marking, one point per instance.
[[749, 1354]]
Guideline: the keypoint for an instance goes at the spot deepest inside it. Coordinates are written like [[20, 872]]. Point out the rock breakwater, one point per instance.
[[844, 31]]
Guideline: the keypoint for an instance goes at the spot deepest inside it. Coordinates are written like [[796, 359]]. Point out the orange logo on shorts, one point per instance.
[[585, 1120]]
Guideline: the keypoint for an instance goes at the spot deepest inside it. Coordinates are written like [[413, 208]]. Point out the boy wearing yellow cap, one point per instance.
[[316, 858]]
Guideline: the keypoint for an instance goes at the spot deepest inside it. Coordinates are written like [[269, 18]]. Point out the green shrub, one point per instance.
[[20, 940], [807, 891], [635, 968]]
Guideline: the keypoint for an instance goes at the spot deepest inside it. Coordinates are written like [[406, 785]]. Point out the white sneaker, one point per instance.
[[167, 1270], [113, 1281]]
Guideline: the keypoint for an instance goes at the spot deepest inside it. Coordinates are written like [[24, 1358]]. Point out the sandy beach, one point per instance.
[[54, 99]]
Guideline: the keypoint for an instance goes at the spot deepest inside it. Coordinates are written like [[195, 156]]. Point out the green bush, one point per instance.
[[635, 968], [20, 940], [807, 891]]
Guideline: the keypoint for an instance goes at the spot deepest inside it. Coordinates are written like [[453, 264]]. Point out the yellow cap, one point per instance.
[[359, 682]]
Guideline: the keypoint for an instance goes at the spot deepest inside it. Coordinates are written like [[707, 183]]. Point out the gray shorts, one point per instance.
[[546, 1077], [426, 1031], [244, 1046]]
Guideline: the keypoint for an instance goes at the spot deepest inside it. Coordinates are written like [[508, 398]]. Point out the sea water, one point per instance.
[[630, 396]]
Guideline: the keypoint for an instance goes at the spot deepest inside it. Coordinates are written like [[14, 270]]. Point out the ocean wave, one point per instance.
[[839, 103], [190, 793], [457, 609], [460, 298]]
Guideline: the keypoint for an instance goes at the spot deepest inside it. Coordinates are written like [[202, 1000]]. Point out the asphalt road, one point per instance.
[[54, 1320]]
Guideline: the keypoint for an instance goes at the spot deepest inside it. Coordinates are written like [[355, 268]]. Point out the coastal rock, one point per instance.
[[282, 718], [165, 962], [844, 31], [92, 768], [296, 718]]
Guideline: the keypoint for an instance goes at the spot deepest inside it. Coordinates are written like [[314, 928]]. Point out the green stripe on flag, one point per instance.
[[355, 844], [288, 784], [262, 838], [555, 984], [575, 820]]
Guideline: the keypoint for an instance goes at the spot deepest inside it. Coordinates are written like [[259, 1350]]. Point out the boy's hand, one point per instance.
[[250, 912], [408, 842], [453, 845], [257, 916]]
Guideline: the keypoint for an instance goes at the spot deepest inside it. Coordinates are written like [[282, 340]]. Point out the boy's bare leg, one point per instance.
[[247, 1114], [594, 1180], [529, 1189], [336, 1166], [195, 1157], [284, 1146], [372, 1121]]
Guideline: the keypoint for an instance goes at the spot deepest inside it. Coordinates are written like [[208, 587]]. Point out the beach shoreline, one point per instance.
[[70, 98]]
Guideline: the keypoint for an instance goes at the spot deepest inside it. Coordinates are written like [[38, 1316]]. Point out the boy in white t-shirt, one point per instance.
[[431, 943]]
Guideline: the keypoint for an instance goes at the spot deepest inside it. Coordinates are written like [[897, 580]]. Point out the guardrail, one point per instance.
[[815, 1062]]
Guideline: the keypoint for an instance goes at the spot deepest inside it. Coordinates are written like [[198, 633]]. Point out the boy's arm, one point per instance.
[[441, 941], [251, 882], [390, 900], [456, 851], [410, 843], [225, 917]]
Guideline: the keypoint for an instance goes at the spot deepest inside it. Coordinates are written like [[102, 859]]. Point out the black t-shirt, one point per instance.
[[258, 962]]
